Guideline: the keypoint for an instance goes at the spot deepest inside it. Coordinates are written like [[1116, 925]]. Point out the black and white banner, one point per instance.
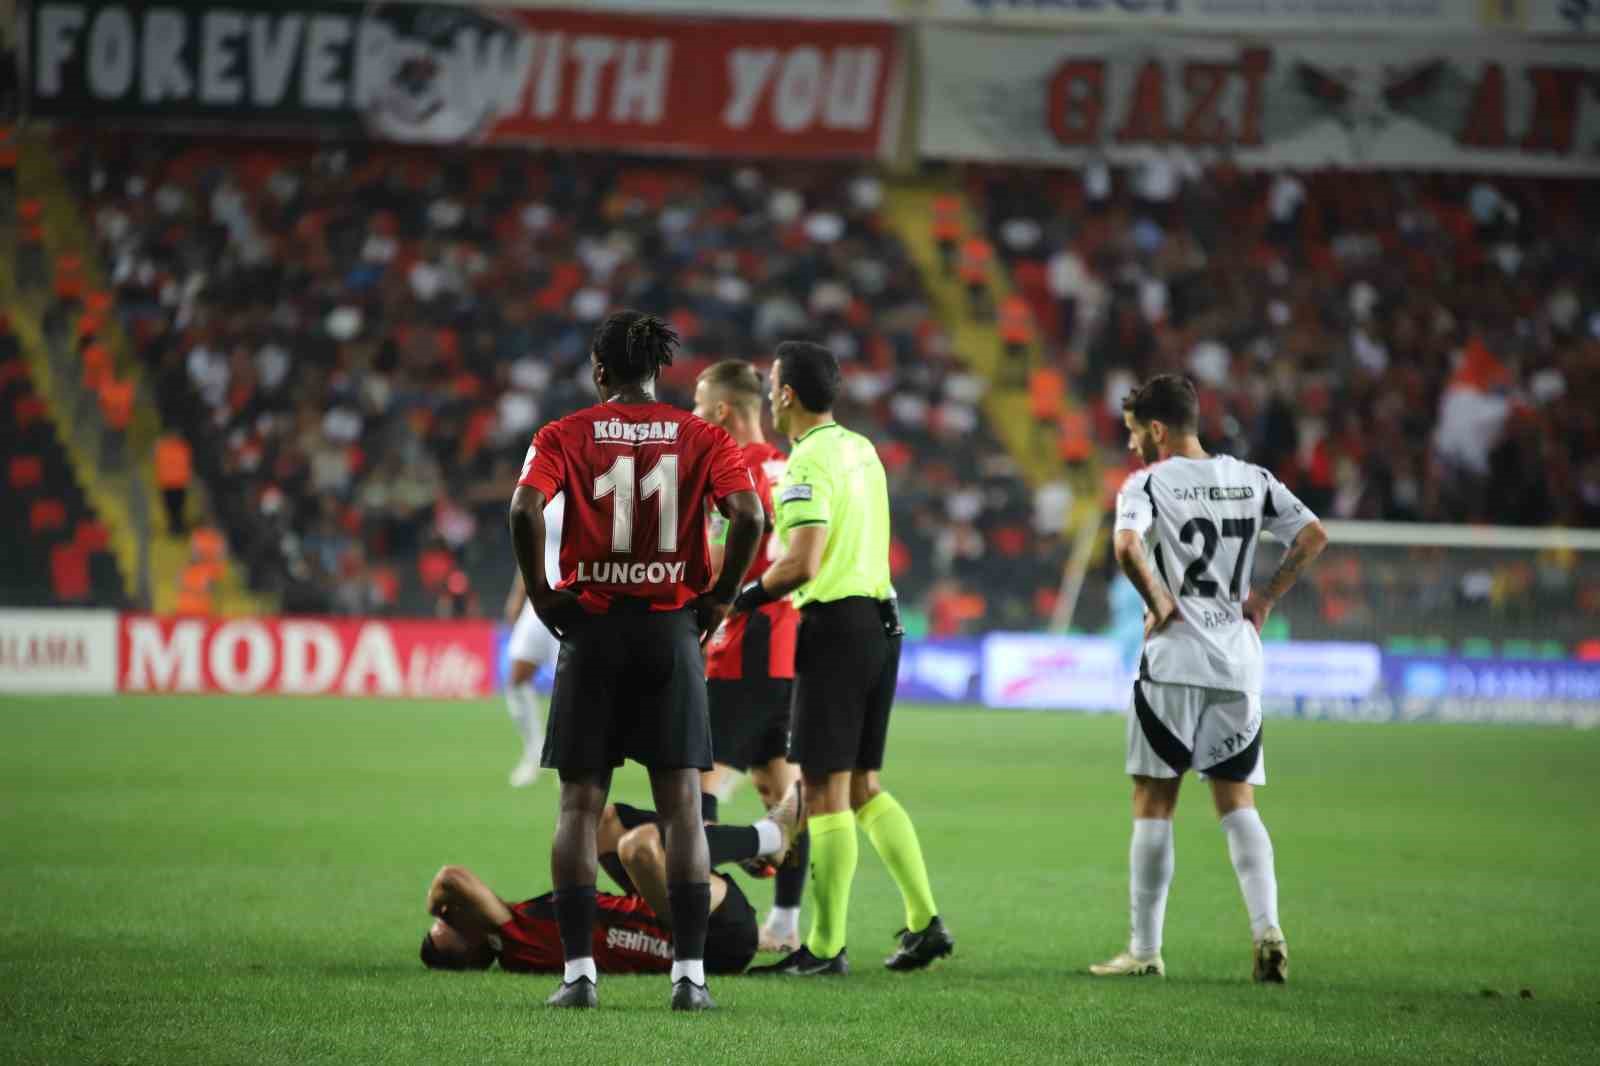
[[449, 73], [1296, 102]]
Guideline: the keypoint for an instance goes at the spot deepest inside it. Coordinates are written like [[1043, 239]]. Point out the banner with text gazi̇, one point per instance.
[[1296, 102]]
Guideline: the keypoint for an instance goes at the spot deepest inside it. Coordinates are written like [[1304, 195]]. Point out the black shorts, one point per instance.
[[846, 665], [731, 935], [629, 685], [749, 720]]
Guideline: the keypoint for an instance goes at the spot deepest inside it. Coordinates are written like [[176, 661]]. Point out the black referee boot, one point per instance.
[[579, 993], [917, 950], [801, 963], [686, 995]]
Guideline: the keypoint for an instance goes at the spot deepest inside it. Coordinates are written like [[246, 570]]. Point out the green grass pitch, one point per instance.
[[241, 881]]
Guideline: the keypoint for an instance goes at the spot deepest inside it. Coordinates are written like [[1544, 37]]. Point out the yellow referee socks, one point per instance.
[[833, 869], [889, 827]]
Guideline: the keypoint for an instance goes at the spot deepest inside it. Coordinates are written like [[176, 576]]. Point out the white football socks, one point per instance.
[[770, 835], [577, 968], [1150, 864], [783, 922], [523, 703], [1251, 850], [693, 969]]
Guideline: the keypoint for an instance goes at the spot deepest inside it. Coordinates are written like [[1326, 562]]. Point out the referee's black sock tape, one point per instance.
[[575, 908], [691, 913], [732, 843]]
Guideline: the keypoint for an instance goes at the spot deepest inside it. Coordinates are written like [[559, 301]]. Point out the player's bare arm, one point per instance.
[[556, 608], [1161, 608], [1308, 544], [746, 522], [458, 896]]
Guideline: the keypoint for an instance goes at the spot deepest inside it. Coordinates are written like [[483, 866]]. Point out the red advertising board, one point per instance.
[[469, 73], [733, 86], [306, 656]]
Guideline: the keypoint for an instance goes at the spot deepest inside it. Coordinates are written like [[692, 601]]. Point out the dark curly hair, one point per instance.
[[1168, 398], [634, 346]]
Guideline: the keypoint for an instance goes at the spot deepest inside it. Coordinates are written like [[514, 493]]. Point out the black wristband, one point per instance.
[[753, 595]]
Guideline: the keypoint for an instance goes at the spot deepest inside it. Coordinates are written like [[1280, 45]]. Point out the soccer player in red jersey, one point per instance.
[[750, 658], [630, 612], [474, 928]]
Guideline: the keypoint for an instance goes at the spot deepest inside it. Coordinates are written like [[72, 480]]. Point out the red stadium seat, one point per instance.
[[92, 535], [69, 573], [25, 472], [29, 410], [47, 515]]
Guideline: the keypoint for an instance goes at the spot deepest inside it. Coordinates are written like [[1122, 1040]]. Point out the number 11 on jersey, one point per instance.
[[661, 482]]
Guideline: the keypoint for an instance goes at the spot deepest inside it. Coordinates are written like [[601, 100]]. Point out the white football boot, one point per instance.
[[1127, 964], [1271, 958]]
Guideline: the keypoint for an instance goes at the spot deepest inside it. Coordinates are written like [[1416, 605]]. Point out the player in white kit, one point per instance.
[[530, 647], [1186, 533]]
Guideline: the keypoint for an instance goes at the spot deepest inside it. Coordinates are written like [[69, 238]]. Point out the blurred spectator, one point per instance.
[[198, 583], [947, 229], [977, 255], [1017, 338], [174, 463]]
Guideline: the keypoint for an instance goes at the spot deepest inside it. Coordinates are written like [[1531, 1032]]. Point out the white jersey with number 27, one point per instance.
[[1200, 520]]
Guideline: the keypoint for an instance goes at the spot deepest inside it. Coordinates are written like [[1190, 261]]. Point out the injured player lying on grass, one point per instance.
[[474, 928]]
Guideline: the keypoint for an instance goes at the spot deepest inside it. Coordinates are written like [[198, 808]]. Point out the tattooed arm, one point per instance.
[[1308, 544]]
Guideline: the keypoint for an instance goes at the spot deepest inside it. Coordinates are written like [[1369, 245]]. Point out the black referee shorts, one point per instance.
[[749, 720], [629, 685], [846, 666]]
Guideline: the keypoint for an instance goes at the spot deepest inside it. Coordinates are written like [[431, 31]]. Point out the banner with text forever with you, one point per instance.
[[438, 73]]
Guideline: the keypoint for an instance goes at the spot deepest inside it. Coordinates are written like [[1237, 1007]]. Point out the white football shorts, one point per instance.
[[530, 641], [1173, 728]]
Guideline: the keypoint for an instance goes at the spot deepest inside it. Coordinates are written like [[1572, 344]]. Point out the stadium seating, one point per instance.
[[56, 551], [360, 342]]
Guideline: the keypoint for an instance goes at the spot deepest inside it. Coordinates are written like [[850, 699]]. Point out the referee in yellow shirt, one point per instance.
[[832, 517]]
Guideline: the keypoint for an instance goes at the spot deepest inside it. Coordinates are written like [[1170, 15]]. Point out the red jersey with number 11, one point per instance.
[[637, 477]]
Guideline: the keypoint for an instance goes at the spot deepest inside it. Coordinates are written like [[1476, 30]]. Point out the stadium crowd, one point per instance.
[[1398, 346], [360, 341]]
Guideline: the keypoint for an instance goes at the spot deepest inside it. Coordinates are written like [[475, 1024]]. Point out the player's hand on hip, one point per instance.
[[709, 613], [1256, 609], [1157, 620], [559, 610]]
